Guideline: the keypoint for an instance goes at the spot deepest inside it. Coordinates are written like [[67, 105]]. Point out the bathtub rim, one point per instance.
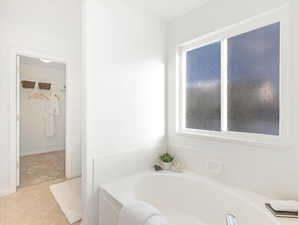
[[117, 198]]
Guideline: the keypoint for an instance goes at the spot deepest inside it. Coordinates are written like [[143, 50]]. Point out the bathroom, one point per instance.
[[128, 105], [133, 137]]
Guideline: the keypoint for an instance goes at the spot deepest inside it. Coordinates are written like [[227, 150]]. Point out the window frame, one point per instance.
[[283, 139]]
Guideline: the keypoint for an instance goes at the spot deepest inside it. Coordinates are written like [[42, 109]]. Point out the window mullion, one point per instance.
[[224, 84]]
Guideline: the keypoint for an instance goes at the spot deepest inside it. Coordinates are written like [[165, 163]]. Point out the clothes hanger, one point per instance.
[[45, 96], [38, 96]]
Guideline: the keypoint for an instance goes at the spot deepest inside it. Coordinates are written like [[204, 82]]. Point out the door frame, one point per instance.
[[15, 104]]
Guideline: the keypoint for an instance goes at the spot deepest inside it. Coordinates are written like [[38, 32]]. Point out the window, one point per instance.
[[253, 81], [232, 85], [203, 87]]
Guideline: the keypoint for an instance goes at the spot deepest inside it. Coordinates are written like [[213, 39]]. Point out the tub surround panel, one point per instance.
[[110, 167], [109, 208], [258, 173], [113, 166]]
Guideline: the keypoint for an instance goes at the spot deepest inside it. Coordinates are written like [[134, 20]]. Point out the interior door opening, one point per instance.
[[41, 126]]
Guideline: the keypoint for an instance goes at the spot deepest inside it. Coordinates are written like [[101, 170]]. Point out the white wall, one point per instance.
[[44, 28], [295, 70], [269, 171], [33, 138], [124, 61]]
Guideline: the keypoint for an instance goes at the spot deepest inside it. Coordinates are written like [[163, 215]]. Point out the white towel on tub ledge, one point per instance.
[[140, 213], [156, 220]]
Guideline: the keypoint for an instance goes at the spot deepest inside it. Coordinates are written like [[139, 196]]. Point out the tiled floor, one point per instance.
[[34, 205], [39, 168]]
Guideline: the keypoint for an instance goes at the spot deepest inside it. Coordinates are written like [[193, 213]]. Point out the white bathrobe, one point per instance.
[[51, 110]]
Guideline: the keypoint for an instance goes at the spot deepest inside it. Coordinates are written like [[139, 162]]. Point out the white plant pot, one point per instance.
[[167, 165]]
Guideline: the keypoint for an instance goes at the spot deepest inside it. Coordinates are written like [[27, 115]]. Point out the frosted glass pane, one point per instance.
[[253, 81], [203, 87]]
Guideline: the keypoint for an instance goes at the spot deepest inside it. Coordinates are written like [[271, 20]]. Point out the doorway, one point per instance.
[[41, 107]]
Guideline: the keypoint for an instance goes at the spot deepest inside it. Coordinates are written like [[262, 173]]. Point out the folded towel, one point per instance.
[[140, 213], [156, 220], [285, 205]]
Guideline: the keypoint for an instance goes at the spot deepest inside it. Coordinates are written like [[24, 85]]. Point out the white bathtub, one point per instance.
[[185, 199]]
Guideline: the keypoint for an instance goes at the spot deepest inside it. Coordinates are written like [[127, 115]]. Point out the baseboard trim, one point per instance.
[[45, 151], [73, 176], [6, 192]]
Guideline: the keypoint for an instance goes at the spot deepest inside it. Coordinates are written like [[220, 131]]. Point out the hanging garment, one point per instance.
[[51, 110], [50, 129]]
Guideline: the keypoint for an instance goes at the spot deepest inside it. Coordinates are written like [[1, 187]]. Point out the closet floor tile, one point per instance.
[[39, 168]]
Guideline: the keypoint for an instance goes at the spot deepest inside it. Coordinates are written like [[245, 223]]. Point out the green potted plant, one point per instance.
[[166, 160]]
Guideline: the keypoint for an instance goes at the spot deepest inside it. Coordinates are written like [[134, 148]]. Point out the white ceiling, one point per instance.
[[37, 62], [167, 10]]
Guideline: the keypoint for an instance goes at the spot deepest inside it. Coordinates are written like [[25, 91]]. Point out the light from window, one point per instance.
[[253, 81], [250, 69], [203, 97]]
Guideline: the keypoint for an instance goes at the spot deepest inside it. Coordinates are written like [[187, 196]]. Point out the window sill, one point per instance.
[[253, 140]]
